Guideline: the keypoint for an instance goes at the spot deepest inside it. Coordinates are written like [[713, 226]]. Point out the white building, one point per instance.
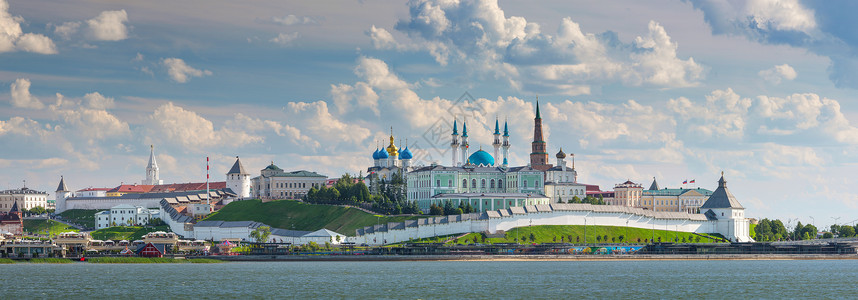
[[238, 180], [92, 192], [26, 199], [153, 174], [724, 210], [274, 183], [561, 181], [125, 215]]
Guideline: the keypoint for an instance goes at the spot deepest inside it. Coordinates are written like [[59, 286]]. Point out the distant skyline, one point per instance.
[[763, 90]]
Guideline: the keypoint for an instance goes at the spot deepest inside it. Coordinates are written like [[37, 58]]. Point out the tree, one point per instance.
[[621, 237], [697, 239], [261, 234], [598, 238], [38, 210], [436, 210], [847, 231], [532, 237], [827, 235]]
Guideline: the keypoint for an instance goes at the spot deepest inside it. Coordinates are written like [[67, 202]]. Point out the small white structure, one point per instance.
[[238, 180], [125, 215], [92, 192]]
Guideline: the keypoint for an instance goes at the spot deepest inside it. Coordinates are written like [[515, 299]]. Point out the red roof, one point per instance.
[[128, 188], [182, 187]]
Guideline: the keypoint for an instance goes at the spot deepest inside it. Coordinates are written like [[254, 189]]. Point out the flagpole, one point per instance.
[[208, 196]]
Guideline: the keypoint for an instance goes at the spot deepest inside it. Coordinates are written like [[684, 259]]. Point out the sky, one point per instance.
[[762, 90]]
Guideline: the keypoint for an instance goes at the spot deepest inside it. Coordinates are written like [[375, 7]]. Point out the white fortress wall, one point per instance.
[[554, 214], [107, 203]]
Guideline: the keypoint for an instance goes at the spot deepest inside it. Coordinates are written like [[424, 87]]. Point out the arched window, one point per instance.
[[525, 183], [500, 183], [474, 183], [464, 183], [482, 183], [492, 184]]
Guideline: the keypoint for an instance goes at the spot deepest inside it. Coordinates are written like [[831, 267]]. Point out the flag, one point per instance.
[[685, 182], [692, 181]]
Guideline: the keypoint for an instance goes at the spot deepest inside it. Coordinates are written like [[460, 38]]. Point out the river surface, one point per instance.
[[441, 279]]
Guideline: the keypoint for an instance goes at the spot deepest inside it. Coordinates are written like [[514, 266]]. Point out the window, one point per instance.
[[473, 183], [450, 183], [464, 183], [438, 182], [492, 185], [500, 183], [483, 183], [525, 183]]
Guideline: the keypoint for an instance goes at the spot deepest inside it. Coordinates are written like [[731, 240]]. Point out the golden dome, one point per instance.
[[392, 150]]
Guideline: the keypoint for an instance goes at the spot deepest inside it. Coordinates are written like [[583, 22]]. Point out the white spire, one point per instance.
[[153, 174]]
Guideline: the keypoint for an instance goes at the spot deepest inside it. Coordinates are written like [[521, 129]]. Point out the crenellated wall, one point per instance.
[[554, 214]]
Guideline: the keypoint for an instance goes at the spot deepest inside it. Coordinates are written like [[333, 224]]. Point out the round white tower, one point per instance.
[[238, 180], [61, 194]]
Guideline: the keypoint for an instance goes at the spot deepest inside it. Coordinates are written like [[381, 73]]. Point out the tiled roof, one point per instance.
[[135, 188], [191, 186]]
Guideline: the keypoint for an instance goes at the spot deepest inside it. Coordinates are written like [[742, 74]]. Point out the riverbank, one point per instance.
[[636, 257], [111, 260]]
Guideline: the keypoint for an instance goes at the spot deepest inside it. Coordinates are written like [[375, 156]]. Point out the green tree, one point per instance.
[[598, 238], [436, 210], [532, 237], [38, 210], [827, 235], [763, 230], [260, 234], [847, 231]]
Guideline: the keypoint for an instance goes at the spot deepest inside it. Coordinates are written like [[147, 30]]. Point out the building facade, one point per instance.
[[124, 215], [24, 197], [274, 183]]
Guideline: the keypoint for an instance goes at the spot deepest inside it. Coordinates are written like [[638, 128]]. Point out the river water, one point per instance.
[[442, 279]]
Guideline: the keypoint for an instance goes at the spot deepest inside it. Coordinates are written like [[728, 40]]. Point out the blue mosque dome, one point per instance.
[[405, 154], [382, 154], [481, 158]]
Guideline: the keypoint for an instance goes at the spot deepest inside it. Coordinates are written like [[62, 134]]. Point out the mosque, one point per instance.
[[487, 181]]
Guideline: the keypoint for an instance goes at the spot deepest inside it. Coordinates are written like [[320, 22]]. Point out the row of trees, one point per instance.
[[449, 209], [348, 191], [774, 230], [844, 230], [588, 199]]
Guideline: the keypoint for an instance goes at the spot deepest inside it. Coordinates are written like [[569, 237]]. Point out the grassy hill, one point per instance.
[[83, 217], [288, 214], [129, 233], [53, 227], [548, 234]]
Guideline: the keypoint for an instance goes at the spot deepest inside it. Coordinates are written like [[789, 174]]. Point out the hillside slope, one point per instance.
[[288, 214]]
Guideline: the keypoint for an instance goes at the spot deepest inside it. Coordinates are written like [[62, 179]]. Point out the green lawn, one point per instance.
[[53, 227], [84, 217], [289, 214], [129, 233], [553, 234]]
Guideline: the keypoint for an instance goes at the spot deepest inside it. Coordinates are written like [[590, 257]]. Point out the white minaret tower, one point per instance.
[[62, 193], [464, 145], [152, 173], [497, 142], [505, 144], [238, 180], [455, 144]]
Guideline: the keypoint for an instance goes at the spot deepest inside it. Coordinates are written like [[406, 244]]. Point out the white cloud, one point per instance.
[[96, 100], [176, 125], [21, 96], [478, 35], [12, 38], [284, 39], [67, 29], [324, 126], [94, 123], [294, 20], [36, 43], [181, 72], [781, 15], [249, 124], [778, 73], [109, 26]]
